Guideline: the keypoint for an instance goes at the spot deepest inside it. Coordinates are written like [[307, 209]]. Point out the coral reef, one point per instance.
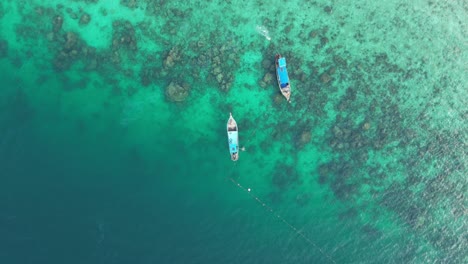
[[176, 92]]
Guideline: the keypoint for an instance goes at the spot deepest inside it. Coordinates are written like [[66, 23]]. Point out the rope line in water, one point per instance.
[[268, 208]]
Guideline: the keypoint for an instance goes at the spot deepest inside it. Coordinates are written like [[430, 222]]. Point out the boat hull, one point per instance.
[[233, 138], [282, 77]]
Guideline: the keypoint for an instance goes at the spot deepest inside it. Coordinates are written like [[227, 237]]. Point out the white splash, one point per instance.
[[263, 31]]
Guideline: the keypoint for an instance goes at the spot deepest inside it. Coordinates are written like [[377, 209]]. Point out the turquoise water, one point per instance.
[[113, 144]]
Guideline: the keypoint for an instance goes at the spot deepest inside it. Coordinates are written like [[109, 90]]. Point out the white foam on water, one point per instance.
[[263, 31]]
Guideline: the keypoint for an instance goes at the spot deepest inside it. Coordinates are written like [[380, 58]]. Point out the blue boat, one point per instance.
[[282, 76], [233, 138]]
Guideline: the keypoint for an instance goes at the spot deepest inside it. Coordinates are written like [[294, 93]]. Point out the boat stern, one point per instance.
[[235, 156]]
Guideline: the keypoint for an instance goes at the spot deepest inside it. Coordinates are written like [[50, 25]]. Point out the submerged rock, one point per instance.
[[328, 9], [124, 36], [132, 4], [313, 33], [57, 23], [176, 92], [85, 19], [268, 78], [71, 41], [325, 78], [172, 58], [305, 138], [340, 61], [217, 70], [70, 51], [366, 126], [323, 41], [219, 77]]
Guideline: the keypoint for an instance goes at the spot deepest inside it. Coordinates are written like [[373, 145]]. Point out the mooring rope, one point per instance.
[[269, 208], [278, 216]]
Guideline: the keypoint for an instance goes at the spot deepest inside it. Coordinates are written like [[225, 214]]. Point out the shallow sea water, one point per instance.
[[367, 164]]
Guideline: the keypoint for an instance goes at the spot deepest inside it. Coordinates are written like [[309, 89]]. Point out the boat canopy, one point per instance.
[[282, 62], [233, 148], [283, 76]]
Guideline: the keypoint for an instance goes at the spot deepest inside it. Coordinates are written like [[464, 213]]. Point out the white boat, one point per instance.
[[233, 138]]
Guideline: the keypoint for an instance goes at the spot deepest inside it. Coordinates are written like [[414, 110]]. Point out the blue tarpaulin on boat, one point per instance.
[[282, 62], [233, 148], [282, 73]]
